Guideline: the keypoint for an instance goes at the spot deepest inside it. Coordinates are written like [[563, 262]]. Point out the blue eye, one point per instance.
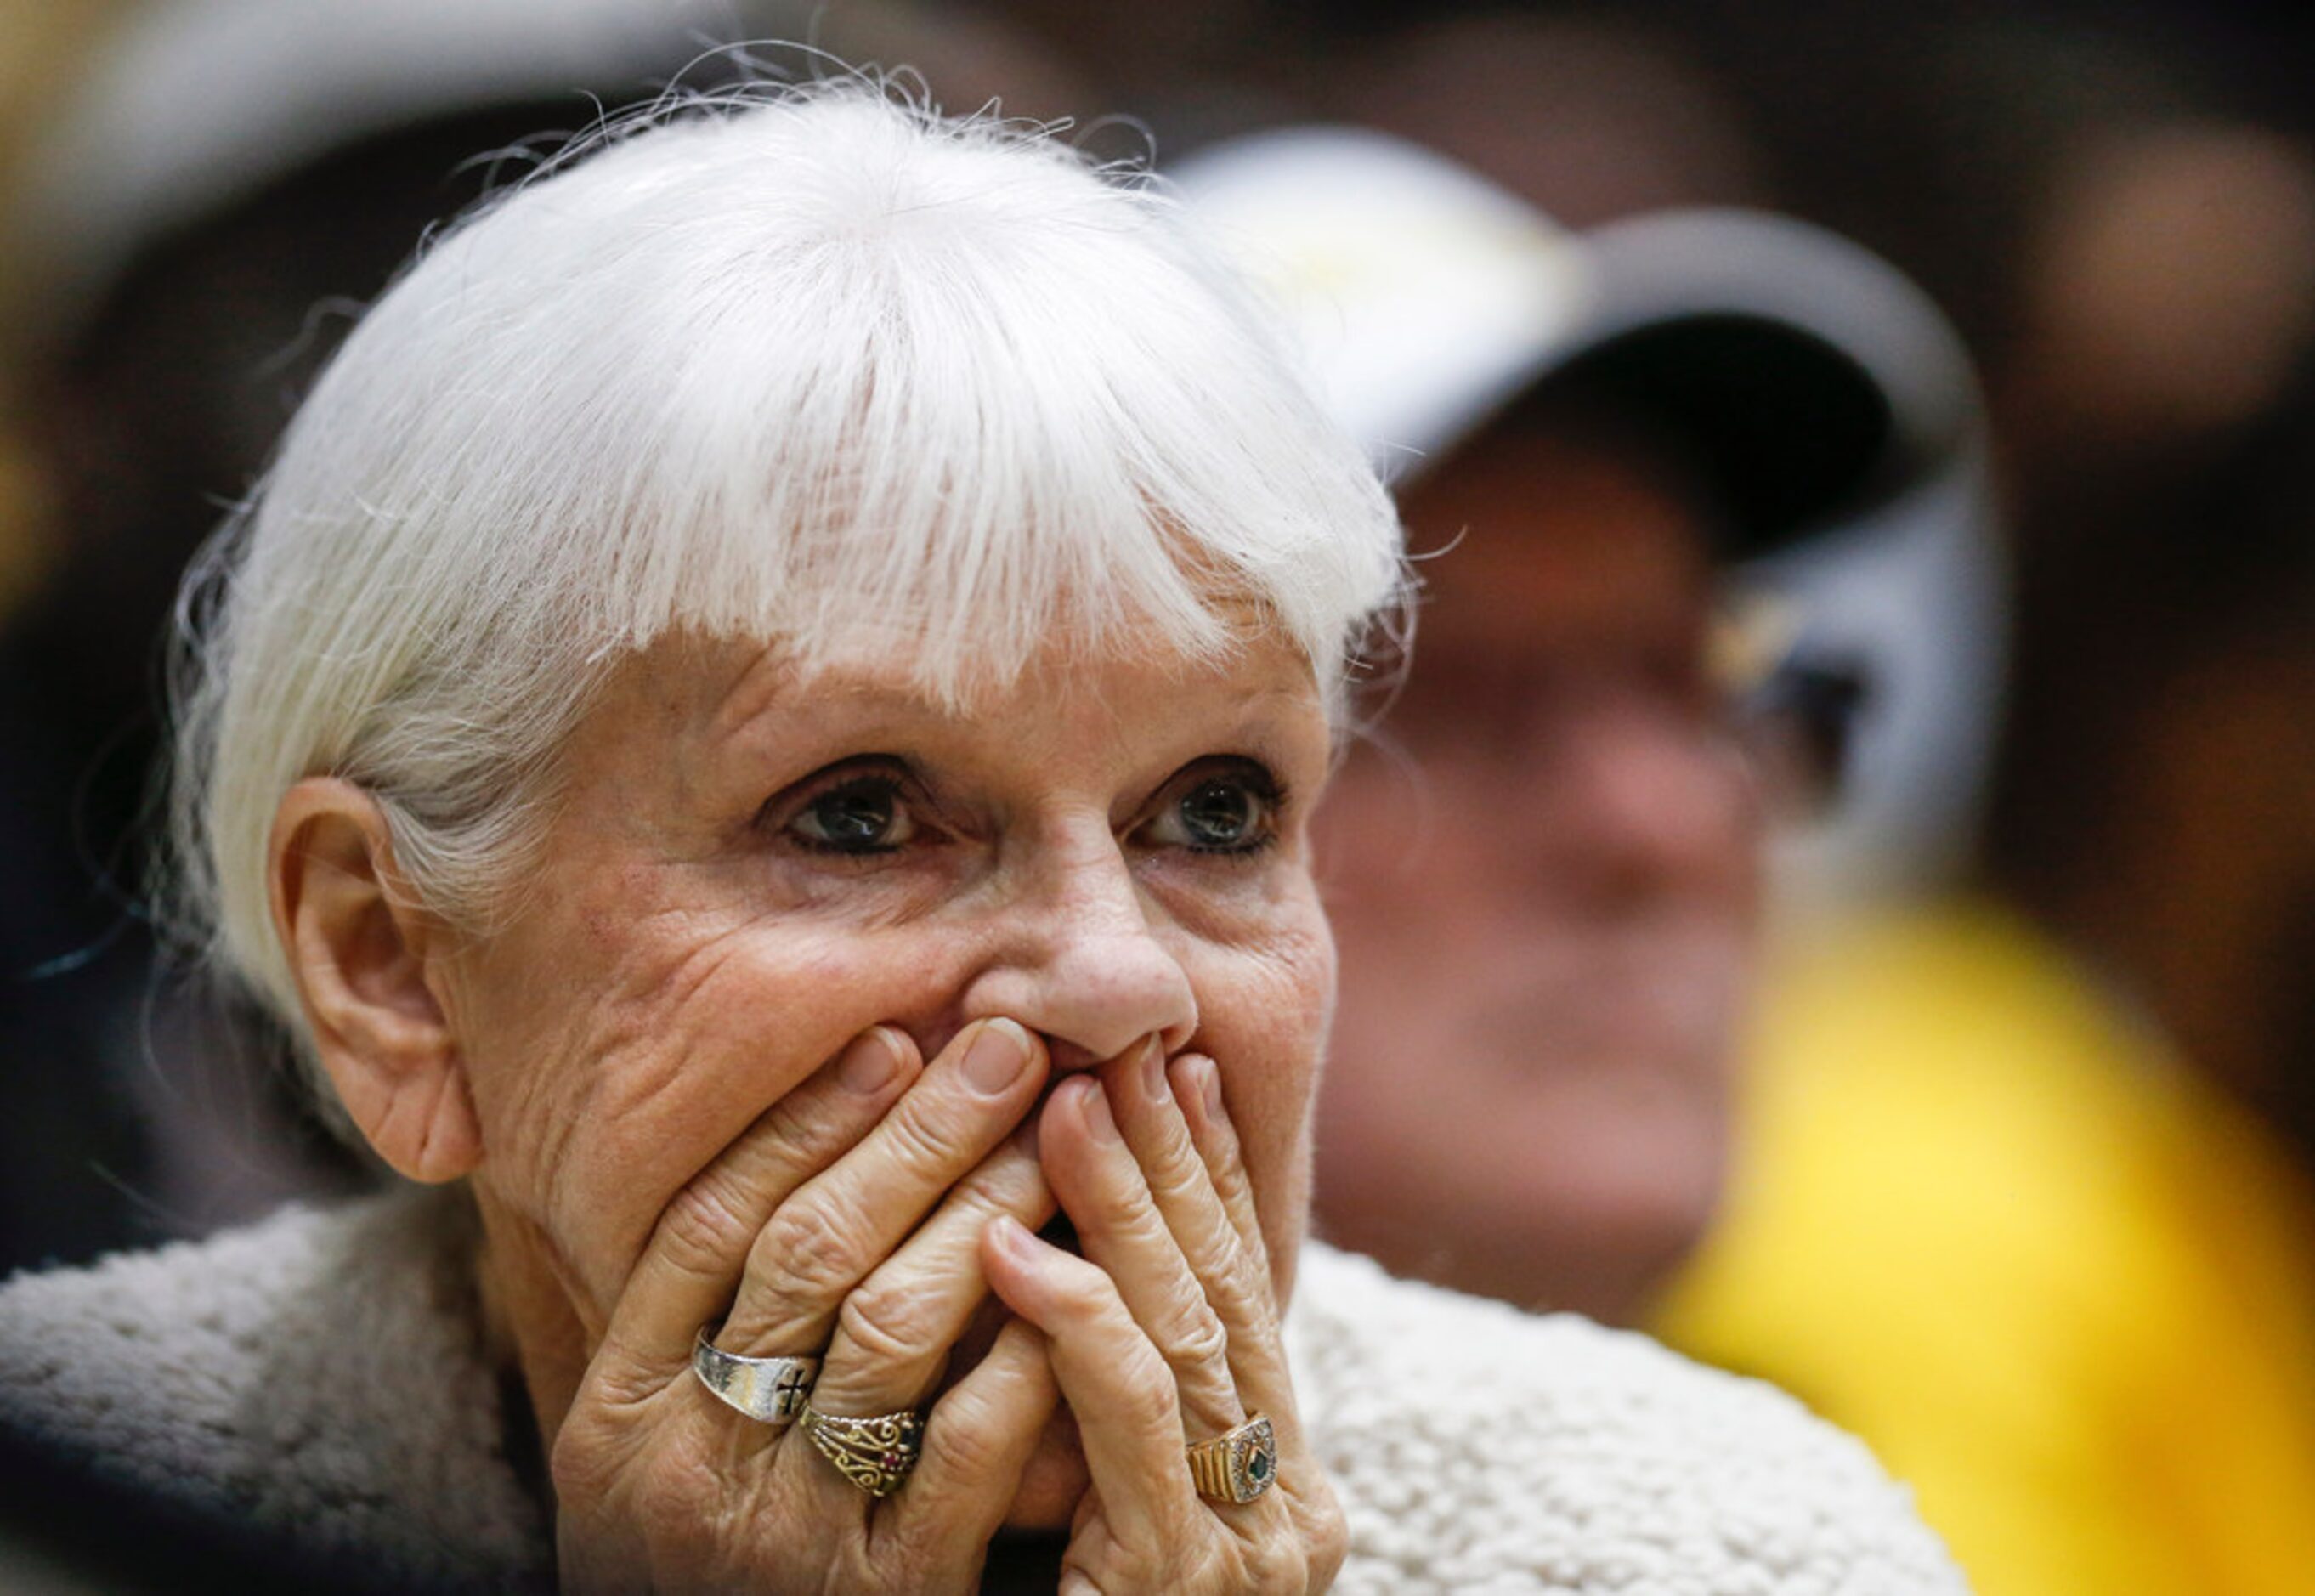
[[865, 815], [1230, 812]]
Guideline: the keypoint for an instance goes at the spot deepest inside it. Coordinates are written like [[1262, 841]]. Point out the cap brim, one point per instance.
[[1806, 378], [1780, 431]]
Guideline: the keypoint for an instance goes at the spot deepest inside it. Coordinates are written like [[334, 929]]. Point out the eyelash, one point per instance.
[[894, 784], [1259, 782], [876, 777]]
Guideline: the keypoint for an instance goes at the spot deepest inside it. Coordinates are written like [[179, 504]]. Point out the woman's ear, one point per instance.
[[366, 960]]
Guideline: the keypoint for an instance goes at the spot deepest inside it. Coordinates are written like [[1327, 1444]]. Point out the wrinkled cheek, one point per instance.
[[670, 1079], [682, 1071], [652, 1122], [1324, 987], [1266, 1033]]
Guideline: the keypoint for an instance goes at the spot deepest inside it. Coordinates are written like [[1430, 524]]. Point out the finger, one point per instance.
[[1115, 1381], [690, 1266], [1122, 1229], [838, 1227], [1234, 1276], [1197, 1087], [895, 1330], [1238, 1271], [978, 1440]]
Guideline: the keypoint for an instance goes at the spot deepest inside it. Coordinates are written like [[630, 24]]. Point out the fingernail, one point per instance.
[[1097, 1117], [997, 1058], [1153, 1072], [871, 1062], [1209, 1077]]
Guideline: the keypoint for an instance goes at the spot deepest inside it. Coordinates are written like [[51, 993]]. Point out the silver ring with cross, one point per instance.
[[768, 1390]]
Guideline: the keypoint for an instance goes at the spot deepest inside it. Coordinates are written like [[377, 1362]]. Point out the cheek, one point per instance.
[[670, 1035], [1264, 1013]]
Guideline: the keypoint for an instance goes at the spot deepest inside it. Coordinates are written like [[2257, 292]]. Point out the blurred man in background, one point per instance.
[[2022, 1173], [2026, 1196], [1533, 1067]]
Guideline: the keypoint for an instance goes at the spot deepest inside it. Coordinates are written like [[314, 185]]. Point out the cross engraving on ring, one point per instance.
[[789, 1391]]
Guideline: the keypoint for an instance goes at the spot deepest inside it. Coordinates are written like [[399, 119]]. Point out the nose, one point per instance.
[[1079, 957]]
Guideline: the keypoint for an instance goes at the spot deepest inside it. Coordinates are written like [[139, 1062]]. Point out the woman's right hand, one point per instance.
[[846, 1224]]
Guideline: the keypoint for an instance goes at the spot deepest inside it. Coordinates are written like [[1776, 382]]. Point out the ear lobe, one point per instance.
[[363, 955]]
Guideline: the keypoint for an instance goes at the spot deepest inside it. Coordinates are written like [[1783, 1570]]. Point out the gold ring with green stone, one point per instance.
[[1238, 1464]]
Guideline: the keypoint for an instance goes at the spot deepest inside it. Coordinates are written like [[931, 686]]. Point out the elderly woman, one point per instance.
[[760, 737]]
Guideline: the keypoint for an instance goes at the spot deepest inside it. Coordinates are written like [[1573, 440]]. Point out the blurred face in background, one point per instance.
[[1544, 879]]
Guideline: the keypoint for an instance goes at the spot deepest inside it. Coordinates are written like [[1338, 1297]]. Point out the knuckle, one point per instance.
[[1004, 1184], [1271, 1568], [1325, 1535], [919, 1148], [1143, 1225], [1196, 1335], [1289, 1570], [1275, 1559], [1134, 1229], [1245, 1271], [959, 1445], [1148, 1402], [1233, 1285], [1228, 1251], [1176, 1176], [887, 1323], [1323, 1565], [1125, 1567], [791, 1145], [808, 1250], [707, 1226], [1237, 1286], [1224, 1166], [1220, 1565], [1009, 1177]]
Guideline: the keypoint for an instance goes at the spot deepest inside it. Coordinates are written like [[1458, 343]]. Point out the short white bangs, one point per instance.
[[829, 367]]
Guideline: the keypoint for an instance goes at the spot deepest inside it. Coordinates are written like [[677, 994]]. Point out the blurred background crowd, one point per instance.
[[1904, 990]]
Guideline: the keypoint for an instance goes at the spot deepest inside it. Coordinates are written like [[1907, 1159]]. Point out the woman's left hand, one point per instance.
[[1165, 1332]]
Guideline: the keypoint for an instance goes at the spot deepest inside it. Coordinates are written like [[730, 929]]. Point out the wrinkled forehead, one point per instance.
[[711, 687]]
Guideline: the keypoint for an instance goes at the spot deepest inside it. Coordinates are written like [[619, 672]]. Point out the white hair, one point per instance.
[[812, 366]]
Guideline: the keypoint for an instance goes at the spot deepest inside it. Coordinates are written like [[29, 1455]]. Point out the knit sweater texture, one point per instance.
[[320, 1377]]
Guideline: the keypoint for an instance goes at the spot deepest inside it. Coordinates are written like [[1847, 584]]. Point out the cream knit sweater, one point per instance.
[[319, 1376]]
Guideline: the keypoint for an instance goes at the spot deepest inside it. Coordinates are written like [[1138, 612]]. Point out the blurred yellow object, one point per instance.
[[1985, 1222]]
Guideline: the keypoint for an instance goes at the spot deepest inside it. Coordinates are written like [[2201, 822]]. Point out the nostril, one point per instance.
[[1068, 1056]]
